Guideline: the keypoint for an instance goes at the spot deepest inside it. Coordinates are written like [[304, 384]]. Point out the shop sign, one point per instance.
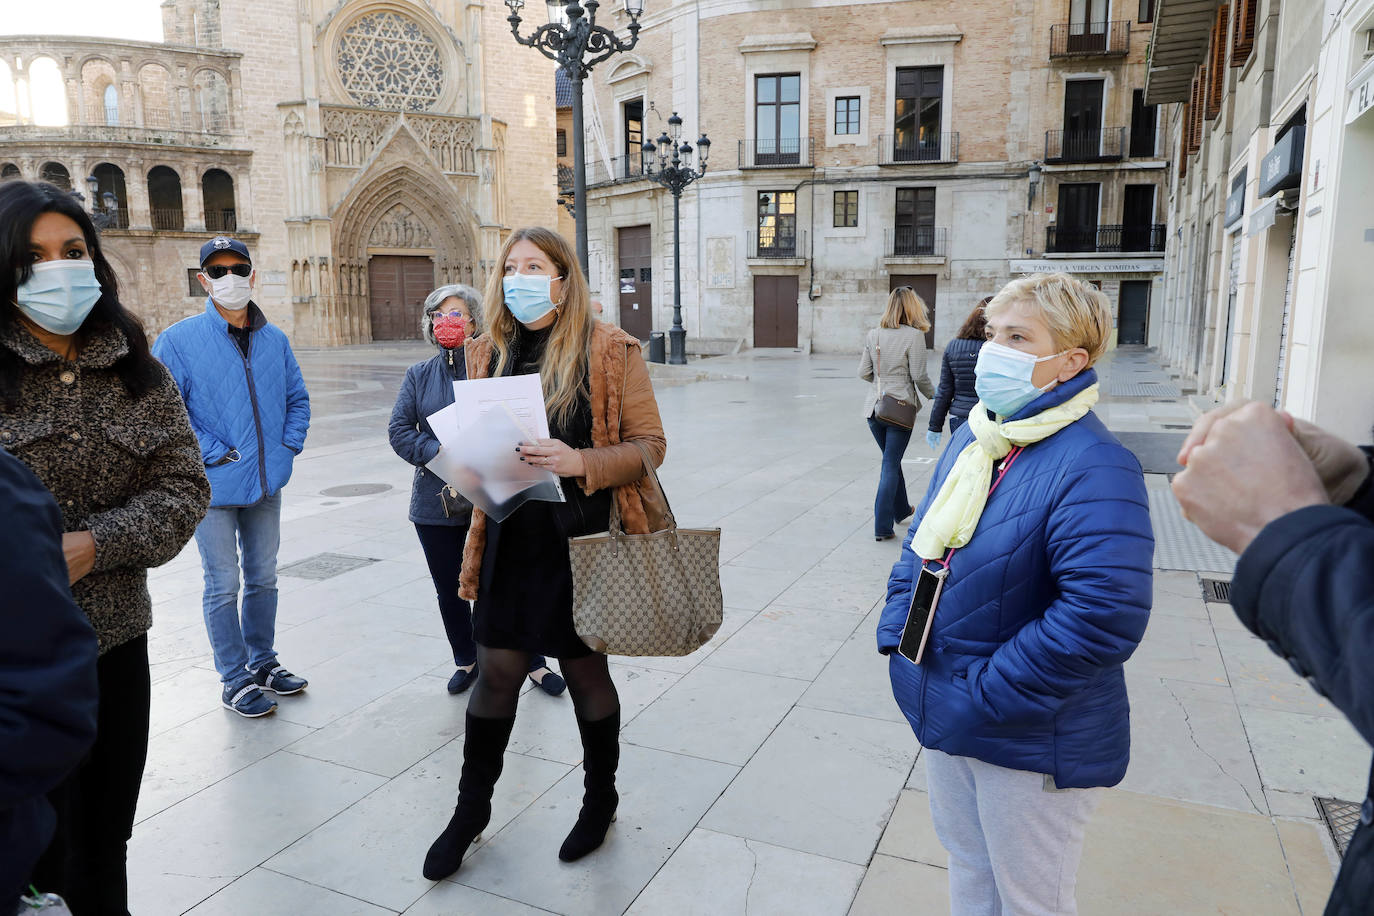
[[1361, 95], [1050, 266], [1282, 167], [1235, 207], [1263, 217]]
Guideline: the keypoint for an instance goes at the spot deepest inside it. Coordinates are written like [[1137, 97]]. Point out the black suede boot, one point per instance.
[[601, 755], [484, 749]]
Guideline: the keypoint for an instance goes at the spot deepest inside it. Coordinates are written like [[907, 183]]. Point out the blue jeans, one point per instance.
[[891, 502], [244, 645]]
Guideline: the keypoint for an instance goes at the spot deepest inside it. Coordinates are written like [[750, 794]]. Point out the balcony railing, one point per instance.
[[784, 153], [1105, 145], [916, 242], [894, 150], [168, 219], [1090, 39], [776, 243], [221, 220], [1106, 239], [112, 133]]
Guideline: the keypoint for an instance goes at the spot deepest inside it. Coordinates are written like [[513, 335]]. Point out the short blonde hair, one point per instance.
[[905, 307], [1078, 314]]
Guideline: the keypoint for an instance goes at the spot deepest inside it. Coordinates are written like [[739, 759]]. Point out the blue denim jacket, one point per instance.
[[428, 387]]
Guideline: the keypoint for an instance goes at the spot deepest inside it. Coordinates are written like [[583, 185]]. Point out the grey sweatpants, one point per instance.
[[1014, 841]]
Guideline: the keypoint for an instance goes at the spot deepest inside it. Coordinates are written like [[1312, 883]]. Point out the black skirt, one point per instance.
[[525, 596]]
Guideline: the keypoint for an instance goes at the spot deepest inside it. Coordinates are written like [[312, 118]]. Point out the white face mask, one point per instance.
[[231, 291]]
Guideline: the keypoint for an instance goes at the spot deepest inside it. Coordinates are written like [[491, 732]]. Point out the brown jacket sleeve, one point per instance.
[[622, 463]]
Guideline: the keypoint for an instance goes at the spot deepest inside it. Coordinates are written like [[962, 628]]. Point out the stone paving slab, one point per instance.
[[772, 766]]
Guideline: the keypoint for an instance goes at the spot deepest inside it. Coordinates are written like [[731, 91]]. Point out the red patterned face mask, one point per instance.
[[450, 330]]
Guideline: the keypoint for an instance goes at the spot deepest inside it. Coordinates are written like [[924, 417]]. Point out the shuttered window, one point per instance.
[[1243, 31]]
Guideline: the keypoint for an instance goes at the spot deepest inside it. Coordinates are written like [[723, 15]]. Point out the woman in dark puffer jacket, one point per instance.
[[956, 396]]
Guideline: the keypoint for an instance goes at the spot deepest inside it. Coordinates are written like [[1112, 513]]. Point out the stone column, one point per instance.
[[192, 203], [136, 187]]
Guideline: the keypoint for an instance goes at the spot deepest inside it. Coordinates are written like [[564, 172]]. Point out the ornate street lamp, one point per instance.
[[103, 212], [676, 176], [574, 40]]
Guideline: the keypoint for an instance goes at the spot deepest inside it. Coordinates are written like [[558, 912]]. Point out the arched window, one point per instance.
[[111, 197], [212, 101], [49, 93], [111, 104], [217, 194], [164, 199], [158, 105], [56, 173], [9, 170]]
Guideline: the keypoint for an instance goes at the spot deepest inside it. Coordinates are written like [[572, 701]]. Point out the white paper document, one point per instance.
[[478, 435]]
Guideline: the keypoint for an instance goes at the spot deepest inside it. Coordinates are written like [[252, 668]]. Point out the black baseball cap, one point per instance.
[[223, 243]]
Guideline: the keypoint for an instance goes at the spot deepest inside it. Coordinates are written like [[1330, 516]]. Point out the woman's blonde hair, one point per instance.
[[1078, 314], [564, 367], [905, 307]]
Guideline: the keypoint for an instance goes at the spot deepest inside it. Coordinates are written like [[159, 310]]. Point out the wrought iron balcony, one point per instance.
[[916, 242], [784, 153], [221, 220], [1106, 145], [905, 150], [1090, 39], [1106, 239], [777, 243], [168, 219]]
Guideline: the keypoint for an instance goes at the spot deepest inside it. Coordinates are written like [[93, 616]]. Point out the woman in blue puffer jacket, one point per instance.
[[1038, 523], [955, 397], [440, 514]]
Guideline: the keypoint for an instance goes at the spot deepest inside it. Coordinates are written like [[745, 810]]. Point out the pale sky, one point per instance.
[[140, 20]]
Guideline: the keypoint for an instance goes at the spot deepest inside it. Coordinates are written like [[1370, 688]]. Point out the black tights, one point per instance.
[[501, 675]]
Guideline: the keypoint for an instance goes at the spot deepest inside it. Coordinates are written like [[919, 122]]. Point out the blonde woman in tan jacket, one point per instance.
[[516, 572], [897, 347]]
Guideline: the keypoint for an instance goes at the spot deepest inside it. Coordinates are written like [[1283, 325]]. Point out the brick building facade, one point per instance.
[[366, 150], [859, 146]]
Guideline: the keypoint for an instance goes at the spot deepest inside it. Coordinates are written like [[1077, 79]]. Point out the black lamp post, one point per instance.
[[676, 177], [574, 40], [103, 212]]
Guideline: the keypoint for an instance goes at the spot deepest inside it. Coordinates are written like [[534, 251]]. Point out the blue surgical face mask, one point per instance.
[[59, 295], [527, 296], [1004, 378]]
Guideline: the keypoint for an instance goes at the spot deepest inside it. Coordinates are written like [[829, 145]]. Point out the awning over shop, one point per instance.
[[1177, 45]]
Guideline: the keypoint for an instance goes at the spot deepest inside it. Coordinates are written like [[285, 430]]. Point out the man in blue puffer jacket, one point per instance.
[[249, 409], [1019, 696]]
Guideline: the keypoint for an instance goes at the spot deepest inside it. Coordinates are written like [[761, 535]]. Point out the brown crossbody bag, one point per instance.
[[891, 410]]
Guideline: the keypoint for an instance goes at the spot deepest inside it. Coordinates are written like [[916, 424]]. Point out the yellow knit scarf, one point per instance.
[[953, 514]]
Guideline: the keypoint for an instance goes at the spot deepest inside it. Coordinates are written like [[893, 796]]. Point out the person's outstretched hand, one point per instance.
[[1246, 470], [932, 439]]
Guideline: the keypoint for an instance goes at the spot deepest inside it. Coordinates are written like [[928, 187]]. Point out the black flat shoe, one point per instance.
[[883, 537], [550, 683], [462, 680]]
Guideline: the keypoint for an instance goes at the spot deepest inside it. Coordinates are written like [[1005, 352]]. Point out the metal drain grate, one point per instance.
[[1217, 591], [1177, 425], [324, 566], [1341, 819]]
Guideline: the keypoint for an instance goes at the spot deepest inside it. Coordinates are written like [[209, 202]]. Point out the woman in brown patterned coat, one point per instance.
[[601, 410], [85, 405]]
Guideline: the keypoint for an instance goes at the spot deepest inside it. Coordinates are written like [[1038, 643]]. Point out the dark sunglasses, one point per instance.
[[215, 271]]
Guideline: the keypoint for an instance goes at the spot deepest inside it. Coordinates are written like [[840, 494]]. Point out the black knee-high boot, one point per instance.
[[600, 757], [484, 748]]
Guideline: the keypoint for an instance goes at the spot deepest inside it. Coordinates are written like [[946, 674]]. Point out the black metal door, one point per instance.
[[1083, 120], [924, 285], [775, 311], [1133, 315], [1076, 229], [635, 277], [1137, 213]]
